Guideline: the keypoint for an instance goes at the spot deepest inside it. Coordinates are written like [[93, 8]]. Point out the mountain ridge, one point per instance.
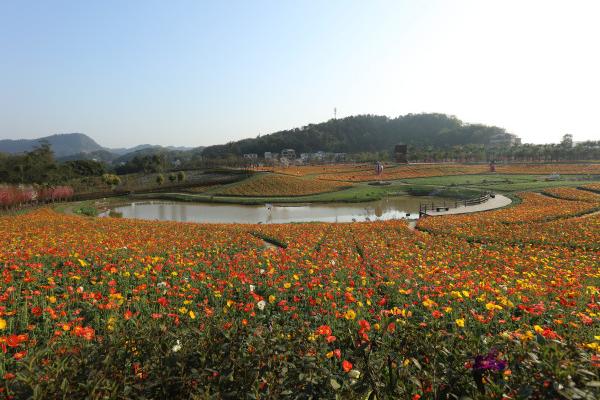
[[69, 146]]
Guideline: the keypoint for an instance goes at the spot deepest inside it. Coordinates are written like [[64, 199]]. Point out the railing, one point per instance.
[[446, 205]]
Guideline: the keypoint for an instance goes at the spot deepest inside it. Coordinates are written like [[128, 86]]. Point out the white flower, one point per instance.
[[177, 347], [354, 374], [261, 305], [262, 271], [252, 287], [161, 284]]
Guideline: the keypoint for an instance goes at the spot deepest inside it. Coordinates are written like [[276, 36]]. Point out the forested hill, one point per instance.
[[364, 133], [62, 144]]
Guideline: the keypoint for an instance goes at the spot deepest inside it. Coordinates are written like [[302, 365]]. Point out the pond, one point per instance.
[[387, 208]]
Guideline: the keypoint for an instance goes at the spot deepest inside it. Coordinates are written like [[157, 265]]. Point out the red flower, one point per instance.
[[324, 330], [9, 376], [85, 332], [391, 328], [337, 353], [15, 340], [163, 301], [346, 365], [364, 325]]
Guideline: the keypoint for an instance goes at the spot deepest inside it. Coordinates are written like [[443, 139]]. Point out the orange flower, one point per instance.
[[324, 330]]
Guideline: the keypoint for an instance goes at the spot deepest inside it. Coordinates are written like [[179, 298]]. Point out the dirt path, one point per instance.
[[497, 202]]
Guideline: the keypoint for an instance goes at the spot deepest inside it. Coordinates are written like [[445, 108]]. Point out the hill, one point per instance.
[[62, 144], [78, 146], [364, 133]]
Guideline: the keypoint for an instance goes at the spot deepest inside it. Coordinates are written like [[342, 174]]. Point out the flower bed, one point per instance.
[[280, 185], [142, 309]]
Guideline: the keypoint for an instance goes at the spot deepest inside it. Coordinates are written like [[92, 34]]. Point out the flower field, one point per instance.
[[280, 185], [366, 173], [572, 194], [405, 172], [538, 220], [501, 304]]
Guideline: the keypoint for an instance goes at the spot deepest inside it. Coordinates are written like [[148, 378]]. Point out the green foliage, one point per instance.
[[143, 163], [180, 176], [364, 133], [40, 166], [273, 359], [160, 179], [85, 167], [87, 210]]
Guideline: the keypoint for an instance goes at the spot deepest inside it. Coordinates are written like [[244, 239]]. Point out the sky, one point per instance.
[[197, 73]]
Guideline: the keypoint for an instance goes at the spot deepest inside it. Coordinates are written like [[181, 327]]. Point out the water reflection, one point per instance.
[[388, 208]]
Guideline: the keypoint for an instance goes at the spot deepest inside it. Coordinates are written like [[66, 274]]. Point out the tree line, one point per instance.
[[364, 133]]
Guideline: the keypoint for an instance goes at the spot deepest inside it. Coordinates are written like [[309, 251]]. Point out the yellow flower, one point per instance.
[[192, 314], [593, 346], [429, 303], [182, 310], [350, 314], [110, 324], [329, 354], [272, 299], [492, 306], [460, 322], [51, 299], [2, 324], [287, 285]]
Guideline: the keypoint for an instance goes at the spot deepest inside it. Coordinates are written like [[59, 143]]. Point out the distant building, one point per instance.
[[339, 157], [505, 139], [251, 156], [268, 155], [290, 154]]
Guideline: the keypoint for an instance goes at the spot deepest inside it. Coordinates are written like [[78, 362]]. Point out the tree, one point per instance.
[[111, 180], [160, 179]]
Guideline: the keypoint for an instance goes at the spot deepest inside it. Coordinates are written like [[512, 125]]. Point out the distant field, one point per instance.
[[503, 182]]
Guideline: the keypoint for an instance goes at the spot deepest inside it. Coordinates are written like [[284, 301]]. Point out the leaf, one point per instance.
[[334, 384], [595, 384], [417, 364]]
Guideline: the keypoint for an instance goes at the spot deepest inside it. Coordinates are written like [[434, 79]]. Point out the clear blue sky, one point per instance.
[[198, 73]]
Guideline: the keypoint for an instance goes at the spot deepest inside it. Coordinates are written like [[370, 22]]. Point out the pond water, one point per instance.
[[387, 208]]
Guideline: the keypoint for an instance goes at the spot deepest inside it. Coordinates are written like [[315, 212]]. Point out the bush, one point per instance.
[[111, 180]]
